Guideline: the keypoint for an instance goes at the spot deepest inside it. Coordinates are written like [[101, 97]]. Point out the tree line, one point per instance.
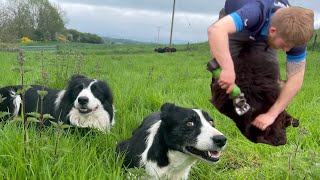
[[39, 20], [76, 36]]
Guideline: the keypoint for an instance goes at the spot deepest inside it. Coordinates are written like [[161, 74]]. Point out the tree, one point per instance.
[[76, 36], [49, 21], [38, 19]]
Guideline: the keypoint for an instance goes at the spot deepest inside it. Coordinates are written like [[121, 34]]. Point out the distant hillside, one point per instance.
[[122, 41]]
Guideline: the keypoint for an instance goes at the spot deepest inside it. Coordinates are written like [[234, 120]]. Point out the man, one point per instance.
[[268, 25]]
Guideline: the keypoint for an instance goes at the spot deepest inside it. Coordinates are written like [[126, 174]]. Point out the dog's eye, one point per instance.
[[190, 124], [96, 88], [211, 122]]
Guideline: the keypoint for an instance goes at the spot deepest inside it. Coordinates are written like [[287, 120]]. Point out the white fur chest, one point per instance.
[[99, 119], [178, 168]]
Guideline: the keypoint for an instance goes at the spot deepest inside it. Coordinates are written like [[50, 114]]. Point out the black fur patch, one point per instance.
[[258, 78]]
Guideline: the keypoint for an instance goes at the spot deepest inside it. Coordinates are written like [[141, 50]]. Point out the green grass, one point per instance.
[[142, 81]]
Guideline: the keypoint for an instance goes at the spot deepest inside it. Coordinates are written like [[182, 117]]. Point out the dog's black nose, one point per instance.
[[219, 140], [83, 100]]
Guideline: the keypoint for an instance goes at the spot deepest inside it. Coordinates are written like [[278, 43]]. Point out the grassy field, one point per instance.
[[142, 81]]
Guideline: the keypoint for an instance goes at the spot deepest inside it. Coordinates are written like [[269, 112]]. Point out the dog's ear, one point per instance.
[[166, 109], [290, 120], [77, 76], [294, 121]]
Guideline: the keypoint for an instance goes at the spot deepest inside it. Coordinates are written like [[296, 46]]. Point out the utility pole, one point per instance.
[[174, 4], [158, 33]]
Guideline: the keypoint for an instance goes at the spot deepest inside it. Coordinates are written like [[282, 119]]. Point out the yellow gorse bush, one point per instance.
[[25, 39], [62, 39]]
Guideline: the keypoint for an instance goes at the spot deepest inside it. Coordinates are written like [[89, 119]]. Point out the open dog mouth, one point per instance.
[[210, 155], [83, 110]]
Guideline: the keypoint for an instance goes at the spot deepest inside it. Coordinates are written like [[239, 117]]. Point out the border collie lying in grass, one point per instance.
[[85, 103], [169, 142]]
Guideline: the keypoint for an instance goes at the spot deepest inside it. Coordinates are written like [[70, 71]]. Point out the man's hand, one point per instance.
[[288, 92], [263, 121], [227, 80]]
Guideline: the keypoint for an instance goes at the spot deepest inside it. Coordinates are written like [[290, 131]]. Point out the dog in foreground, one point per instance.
[[169, 142], [84, 103]]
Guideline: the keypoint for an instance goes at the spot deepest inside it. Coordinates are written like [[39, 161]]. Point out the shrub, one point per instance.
[[62, 39], [25, 39]]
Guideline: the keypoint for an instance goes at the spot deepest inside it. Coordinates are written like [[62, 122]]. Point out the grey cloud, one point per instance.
[[138, 24], [196, 6], [140, 19]]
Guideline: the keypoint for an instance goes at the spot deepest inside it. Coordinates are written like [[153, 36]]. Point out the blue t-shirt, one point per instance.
[[253, 17]]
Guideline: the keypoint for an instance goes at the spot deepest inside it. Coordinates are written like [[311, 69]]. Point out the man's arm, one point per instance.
[[288, 92], [219, 46]]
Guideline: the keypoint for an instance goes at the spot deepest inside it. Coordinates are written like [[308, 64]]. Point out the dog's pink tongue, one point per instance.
[[214, 154]]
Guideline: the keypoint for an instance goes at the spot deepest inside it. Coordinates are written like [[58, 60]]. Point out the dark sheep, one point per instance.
[[258, 78], [165, 49]]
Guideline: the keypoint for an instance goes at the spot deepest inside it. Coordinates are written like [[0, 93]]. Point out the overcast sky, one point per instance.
[[150, 20]]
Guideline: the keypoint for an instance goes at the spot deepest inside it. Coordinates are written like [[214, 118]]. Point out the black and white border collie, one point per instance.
[[84, 103], [169, 142]]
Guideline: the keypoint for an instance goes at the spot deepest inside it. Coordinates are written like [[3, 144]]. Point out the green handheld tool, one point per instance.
[[239, 101]]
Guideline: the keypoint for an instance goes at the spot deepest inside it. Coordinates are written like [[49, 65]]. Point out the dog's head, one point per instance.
[[87, 102], [192, 131], [87, 95]]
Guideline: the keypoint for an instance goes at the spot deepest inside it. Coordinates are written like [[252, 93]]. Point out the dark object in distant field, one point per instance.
[[165, 50]]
